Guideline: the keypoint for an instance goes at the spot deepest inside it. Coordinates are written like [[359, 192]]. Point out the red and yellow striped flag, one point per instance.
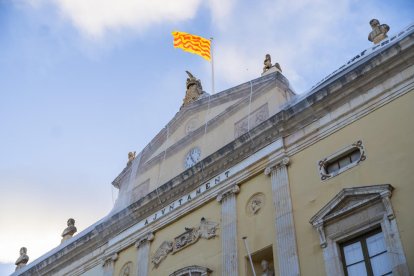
[[192, 43]]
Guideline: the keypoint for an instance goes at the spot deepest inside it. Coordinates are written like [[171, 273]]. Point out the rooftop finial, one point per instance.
[[194, 90], [268, 67], [23, 259], [379, 32], [70, 230], [131, 157]]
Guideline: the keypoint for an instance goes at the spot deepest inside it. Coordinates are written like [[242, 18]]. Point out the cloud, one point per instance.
[[95, 17]]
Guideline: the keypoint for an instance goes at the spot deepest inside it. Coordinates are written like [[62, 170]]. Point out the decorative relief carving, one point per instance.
[[162, 252], [109, 260], [126, 269], [191, 125], [206, 230], [256, 117], [254, 204]]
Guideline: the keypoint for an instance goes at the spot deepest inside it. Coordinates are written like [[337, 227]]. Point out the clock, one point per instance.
[[192, 157]]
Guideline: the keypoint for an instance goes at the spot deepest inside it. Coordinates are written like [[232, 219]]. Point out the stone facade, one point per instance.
[[193, 220]]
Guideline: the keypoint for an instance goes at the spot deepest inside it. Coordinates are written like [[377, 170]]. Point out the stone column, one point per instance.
[[109, 265], [285, 229], [227, 198], [143, 246]]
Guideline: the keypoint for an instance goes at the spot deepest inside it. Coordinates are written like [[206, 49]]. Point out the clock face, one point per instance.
[[192, 157]]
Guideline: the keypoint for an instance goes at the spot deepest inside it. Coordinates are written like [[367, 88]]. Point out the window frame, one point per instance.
[[337, 156], [363, 240], [351, 213]]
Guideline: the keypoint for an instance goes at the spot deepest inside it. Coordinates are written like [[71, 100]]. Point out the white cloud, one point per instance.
[[95, 17]]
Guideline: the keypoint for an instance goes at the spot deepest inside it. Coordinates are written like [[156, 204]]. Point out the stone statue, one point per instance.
[[379, 32], [268, 64], [69, 231], [131, 157], [194, 90], [267, 271], [23, 259]]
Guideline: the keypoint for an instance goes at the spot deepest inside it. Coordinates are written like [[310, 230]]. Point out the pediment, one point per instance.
[[349, 199], [218, 107]]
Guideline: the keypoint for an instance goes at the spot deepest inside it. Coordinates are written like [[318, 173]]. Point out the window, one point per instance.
[[342, 160], [358, 232], [193, 270], [366, 255]]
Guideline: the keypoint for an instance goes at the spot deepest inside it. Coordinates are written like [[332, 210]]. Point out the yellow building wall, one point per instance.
[[388, 138], [127, 255], [206, 253], [260, 228]]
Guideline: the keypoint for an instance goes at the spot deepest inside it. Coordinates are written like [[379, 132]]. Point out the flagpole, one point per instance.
[[212, 66]]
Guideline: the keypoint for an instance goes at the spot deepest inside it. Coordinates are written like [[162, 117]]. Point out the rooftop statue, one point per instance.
[[379, 32], [194, 90], [131, 157], [268, 64], [70, 230], [23, 259]]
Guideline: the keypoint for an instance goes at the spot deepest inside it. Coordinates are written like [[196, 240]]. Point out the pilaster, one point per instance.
[[285, 229], [143, 247], [109, 264], [227, 198]]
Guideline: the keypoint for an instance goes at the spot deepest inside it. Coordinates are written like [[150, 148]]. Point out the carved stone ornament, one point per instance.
[[255, 204], [23, 258], [69, 231], [126, 269], [162, 252], [206, 230], [349, 201], [379, 31], [194, 90]]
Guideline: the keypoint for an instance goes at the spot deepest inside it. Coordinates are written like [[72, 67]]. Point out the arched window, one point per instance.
[[193, 270]]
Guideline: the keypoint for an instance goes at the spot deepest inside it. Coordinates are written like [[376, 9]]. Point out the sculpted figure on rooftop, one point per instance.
[[379, 32], [268, 64], [23, 259], [70, 230], [131, 157], [194, 90]]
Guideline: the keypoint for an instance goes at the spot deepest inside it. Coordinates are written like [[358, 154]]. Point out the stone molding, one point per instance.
[[147, 238], [232, 190], [110, 260]]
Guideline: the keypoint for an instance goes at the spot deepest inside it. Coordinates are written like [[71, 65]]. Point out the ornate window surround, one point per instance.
[[355, 211], [204, 271], [322, 164]]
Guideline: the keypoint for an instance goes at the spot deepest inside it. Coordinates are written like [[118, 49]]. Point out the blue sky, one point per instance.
[[82, 82]]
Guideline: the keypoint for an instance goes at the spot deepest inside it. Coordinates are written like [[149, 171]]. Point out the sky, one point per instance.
[[83, 82]]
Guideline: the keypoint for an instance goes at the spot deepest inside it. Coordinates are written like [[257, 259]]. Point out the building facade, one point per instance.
[[257, 180]]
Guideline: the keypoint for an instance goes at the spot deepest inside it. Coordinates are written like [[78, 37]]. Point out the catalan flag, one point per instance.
[[192, 43]]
